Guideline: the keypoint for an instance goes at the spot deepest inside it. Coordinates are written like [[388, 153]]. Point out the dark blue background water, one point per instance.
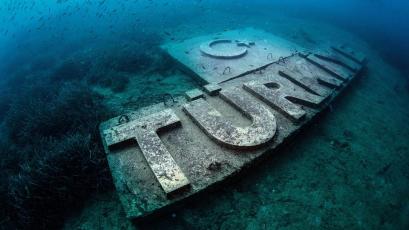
[[61, 26]]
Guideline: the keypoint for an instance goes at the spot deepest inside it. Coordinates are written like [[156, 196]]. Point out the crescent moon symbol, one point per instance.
[[207, 49]]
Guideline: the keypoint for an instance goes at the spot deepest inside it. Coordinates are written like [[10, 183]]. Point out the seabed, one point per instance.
[[325, 177]]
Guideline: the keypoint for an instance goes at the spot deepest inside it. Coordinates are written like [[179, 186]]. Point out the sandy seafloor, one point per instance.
[[348, 170]]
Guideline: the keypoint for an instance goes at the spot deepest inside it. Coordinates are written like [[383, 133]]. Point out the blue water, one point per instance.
[[382, 23], [58, 55]]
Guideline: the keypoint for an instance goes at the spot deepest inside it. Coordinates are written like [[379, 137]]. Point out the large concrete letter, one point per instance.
[[282, 97], [220, 129], [358, 57], [310, 77], [144, 131], [334, 68]]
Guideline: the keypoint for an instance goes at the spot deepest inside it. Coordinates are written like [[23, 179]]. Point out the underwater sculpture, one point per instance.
[[159, 155]]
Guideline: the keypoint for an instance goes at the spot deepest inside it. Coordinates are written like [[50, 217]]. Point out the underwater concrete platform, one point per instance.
[[159, 156], [222, 56]]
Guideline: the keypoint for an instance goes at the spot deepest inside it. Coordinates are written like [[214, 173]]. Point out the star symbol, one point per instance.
[[245, 43]]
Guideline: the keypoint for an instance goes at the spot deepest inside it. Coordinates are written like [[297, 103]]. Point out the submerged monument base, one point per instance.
[[162, 155]]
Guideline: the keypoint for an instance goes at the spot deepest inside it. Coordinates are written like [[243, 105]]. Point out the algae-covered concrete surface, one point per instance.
[[350, 169], [256, 49]]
